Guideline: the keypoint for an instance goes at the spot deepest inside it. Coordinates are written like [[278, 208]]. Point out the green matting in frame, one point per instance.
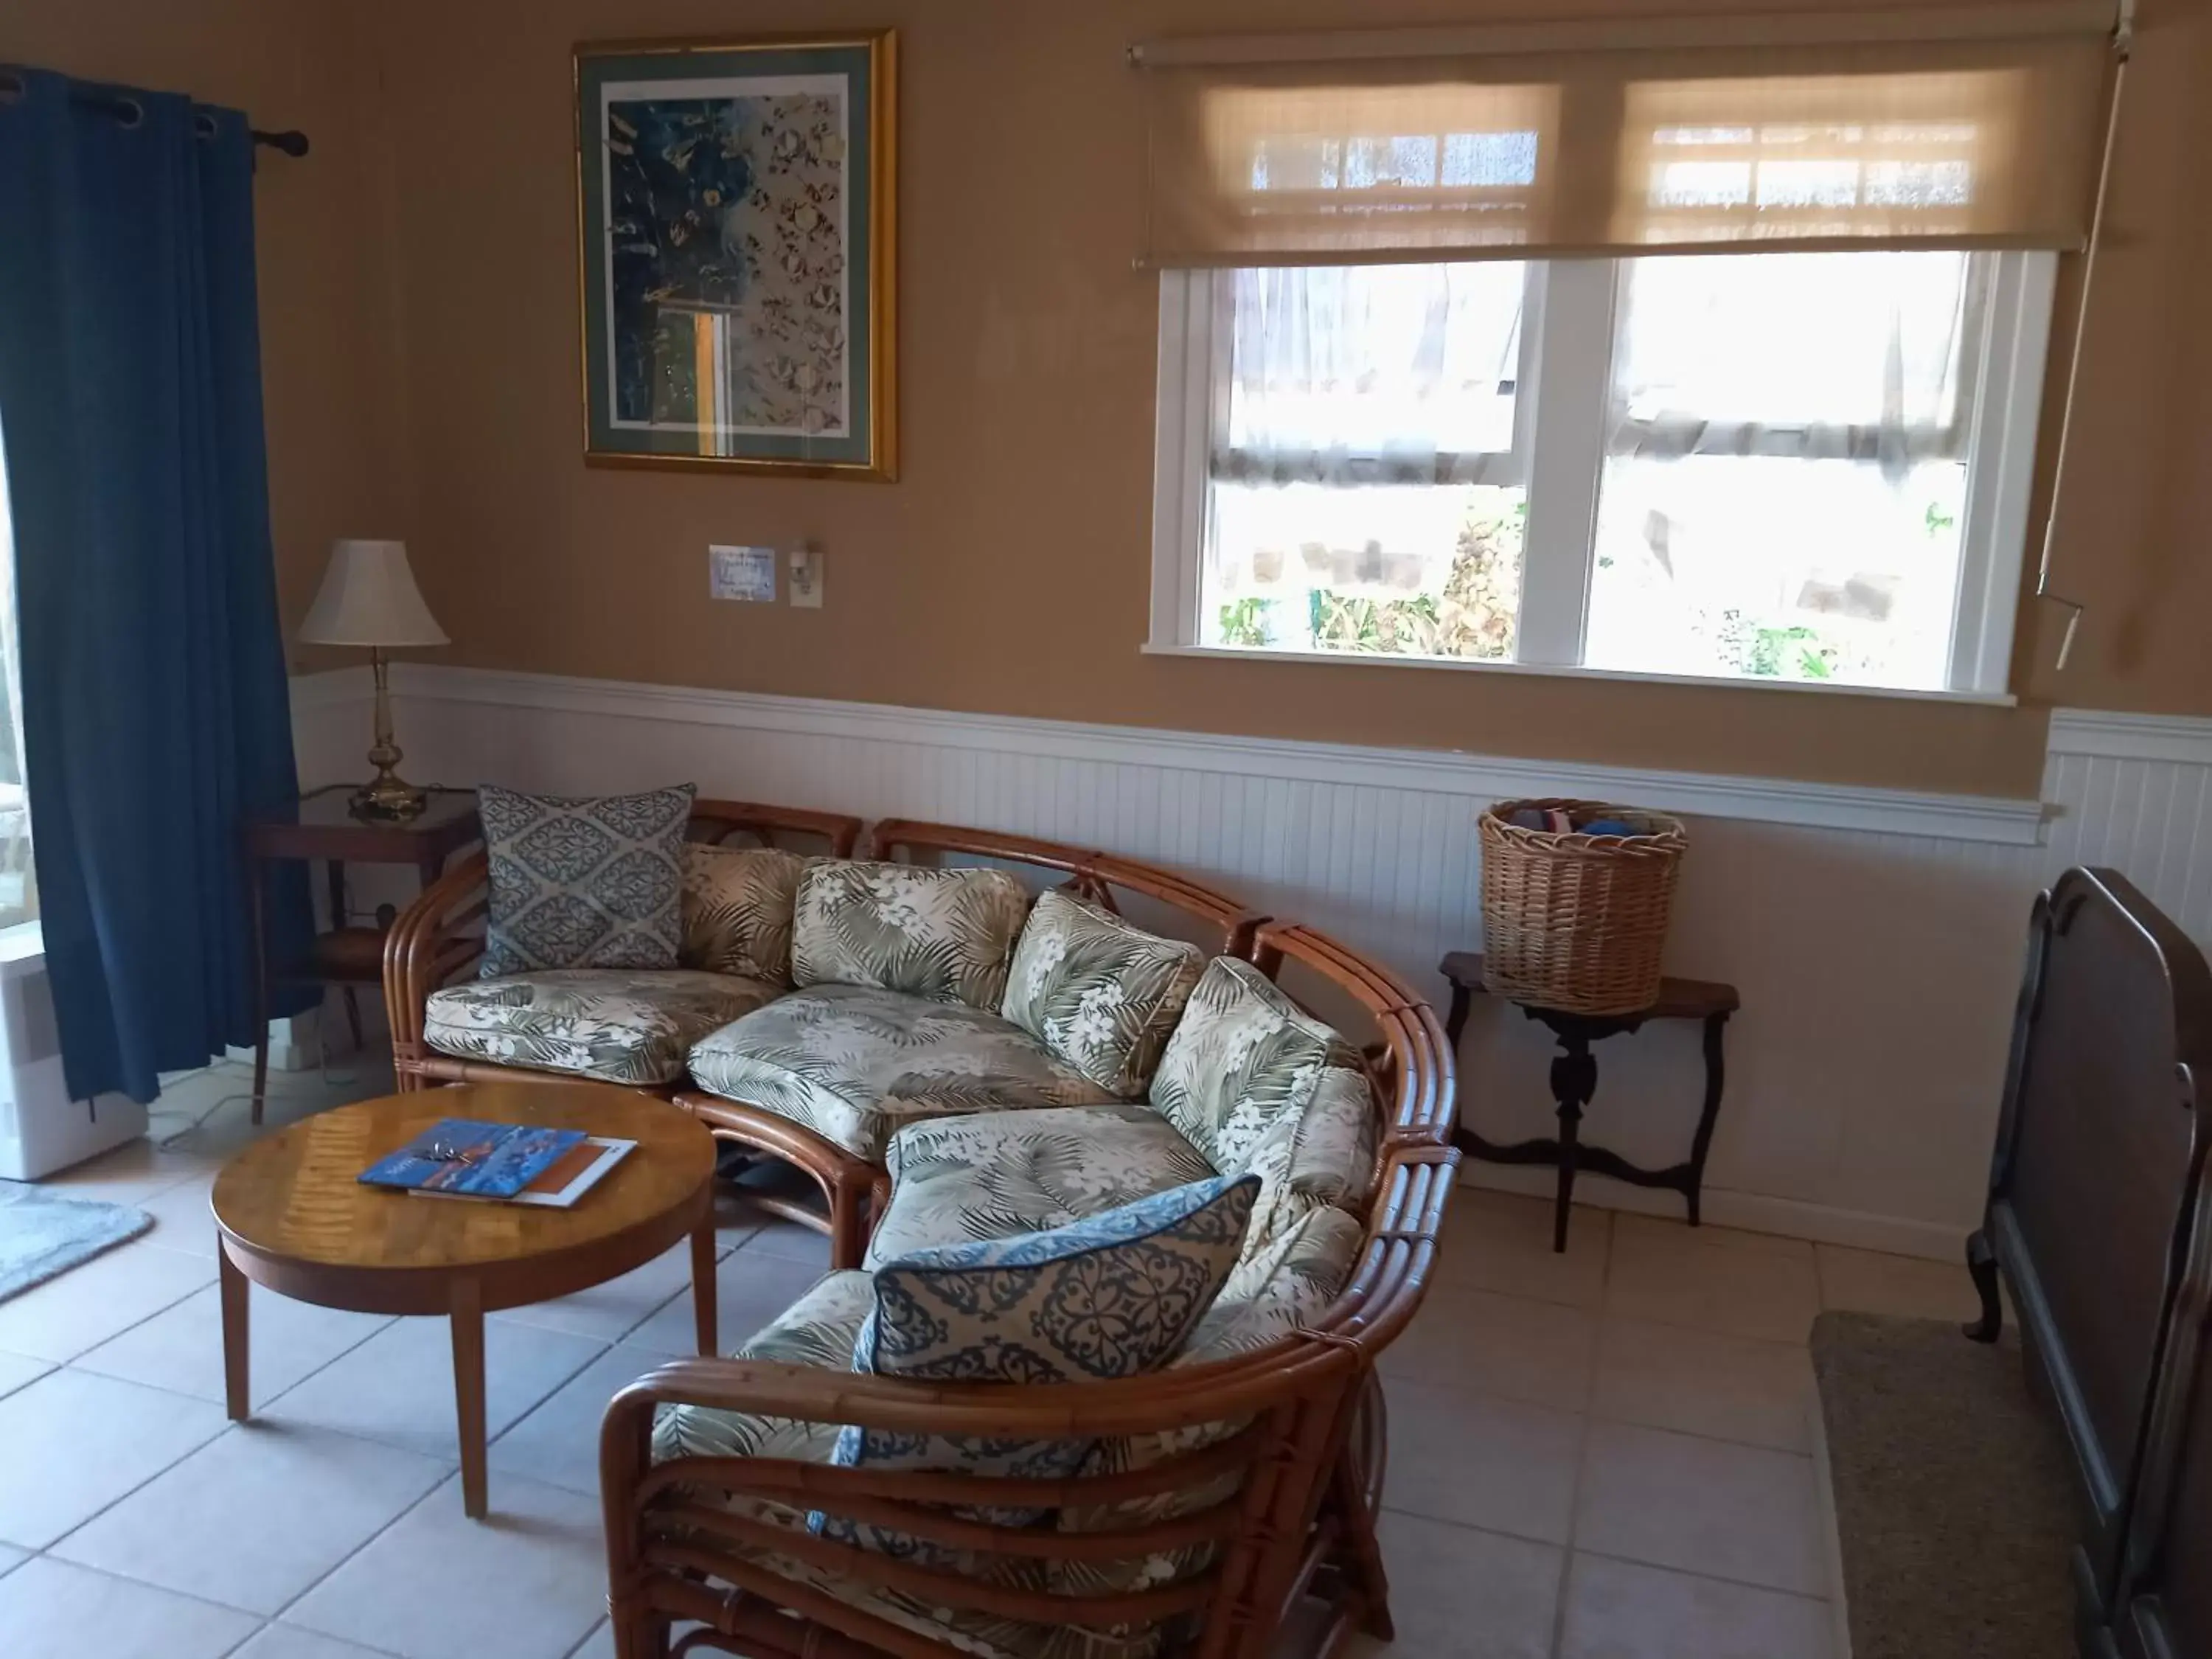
[[737, 250]]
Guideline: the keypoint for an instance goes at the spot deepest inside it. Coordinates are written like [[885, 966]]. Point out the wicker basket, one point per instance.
[[1572, 920]]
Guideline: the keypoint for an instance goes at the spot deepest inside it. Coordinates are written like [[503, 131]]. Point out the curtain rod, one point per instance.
[[291, 142], [2024, 19]]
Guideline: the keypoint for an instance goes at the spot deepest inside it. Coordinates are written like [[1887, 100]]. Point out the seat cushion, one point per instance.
[[737, 908], [855, 1064], [1114, 1295], [619, 1026], [1101, 995], [583, 883], [945, 935], [997, 1173]]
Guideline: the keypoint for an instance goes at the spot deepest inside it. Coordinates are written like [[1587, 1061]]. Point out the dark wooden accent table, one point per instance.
[[290, 1215], [1574, 1081], [319, 825]]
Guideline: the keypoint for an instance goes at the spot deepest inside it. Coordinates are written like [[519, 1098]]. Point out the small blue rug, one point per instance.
[[42, 1233]]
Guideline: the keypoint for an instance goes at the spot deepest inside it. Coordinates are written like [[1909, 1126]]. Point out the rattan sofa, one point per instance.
[[1209, 1499], [1279, 1514]]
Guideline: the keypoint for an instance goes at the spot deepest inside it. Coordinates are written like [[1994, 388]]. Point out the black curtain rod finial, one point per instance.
[[293, 143]]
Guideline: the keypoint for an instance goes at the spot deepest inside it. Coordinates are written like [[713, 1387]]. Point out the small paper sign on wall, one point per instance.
[[742, 572]]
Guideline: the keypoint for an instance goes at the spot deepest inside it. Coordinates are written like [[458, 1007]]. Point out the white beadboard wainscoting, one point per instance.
[[1875, 934]]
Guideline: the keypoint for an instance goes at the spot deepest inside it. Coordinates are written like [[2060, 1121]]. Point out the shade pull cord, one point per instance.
[[2122, 47]]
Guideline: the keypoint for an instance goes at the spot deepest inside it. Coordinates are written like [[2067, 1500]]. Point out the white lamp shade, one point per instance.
[[368, 597]]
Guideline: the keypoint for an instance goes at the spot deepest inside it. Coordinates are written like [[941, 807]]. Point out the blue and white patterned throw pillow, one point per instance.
[[580, 883], [1112, 1295]]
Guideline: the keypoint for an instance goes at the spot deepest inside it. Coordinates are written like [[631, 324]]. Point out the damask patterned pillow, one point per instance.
[[579, 882], [1101, 995], [1243, 1058], [737, 906], [945, 935], [1114, 1295]]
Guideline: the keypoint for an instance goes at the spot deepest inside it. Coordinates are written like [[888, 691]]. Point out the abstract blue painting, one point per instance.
[[736, 214]]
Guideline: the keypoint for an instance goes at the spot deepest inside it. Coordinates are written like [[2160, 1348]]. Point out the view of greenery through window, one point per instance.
[[1474, 616]]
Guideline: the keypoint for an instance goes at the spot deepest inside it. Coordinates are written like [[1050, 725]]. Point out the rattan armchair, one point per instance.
[[439, 936], [1299, 1523], [848, 1183]]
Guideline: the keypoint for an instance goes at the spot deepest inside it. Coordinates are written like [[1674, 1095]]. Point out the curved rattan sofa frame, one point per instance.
[[440, 934], [849, 1183], [1303, 1521]]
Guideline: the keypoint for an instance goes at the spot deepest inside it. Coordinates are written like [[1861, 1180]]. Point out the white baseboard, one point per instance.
[[1751, 1213]]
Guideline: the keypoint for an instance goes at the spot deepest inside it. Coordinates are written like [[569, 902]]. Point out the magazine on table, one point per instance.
[[506, 1163]]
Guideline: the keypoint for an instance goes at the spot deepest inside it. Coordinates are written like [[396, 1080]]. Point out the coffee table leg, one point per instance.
[[236, 1350], [469, 1392], [704, 1244]]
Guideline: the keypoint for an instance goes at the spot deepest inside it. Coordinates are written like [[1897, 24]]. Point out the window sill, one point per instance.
[[1710, 681]]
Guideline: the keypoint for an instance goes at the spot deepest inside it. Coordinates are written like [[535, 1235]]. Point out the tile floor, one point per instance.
[[1599, 1455]]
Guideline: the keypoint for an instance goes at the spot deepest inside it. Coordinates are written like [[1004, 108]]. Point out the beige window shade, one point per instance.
[[1984, 142]]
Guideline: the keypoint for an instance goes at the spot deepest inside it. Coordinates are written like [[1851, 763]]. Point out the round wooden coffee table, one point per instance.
[[291, 1216]]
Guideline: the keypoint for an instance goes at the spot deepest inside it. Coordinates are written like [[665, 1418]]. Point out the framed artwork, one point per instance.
[[737, 236]]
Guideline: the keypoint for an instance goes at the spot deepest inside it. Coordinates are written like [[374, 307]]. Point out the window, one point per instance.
[[19, 896], [1786, 466]]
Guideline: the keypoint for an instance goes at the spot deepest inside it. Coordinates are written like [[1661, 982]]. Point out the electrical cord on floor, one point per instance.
[[331, 1077]]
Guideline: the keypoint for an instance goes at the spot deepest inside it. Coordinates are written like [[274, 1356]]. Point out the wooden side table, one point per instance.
[[319, 825], [1574, 1082]]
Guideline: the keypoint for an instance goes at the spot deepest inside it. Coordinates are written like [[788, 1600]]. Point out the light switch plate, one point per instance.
[[742, 572], [806, 567]]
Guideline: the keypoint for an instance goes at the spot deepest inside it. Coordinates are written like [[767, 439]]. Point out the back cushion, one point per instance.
[[943, 934], [1243, 1058], [584, 882], [1320, 1157], [1101, 995], [737, 906], [1114, 1295]]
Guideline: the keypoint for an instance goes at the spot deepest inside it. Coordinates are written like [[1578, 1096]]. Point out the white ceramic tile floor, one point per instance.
[[16, 1369], [1595, 1456]]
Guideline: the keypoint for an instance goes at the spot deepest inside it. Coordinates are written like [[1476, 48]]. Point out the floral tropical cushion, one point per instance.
[[1112, 1295], [998, 1174], [582, 883], [737, 906], [819, 1329], [854, 1064], [1283, 1288], [1101, 995], [618, 1025], [942, 934], [1324, 1154], [1243, 1057]]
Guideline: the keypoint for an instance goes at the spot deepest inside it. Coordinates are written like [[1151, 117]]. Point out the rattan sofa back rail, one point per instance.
[[1301, 1522]]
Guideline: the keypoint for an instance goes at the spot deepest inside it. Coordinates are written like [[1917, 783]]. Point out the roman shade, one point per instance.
[[1975, 128]]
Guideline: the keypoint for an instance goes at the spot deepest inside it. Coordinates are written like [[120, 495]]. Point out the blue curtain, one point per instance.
[[154, 703]]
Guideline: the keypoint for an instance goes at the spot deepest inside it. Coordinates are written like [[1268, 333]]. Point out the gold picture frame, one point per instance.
[[737, 253]]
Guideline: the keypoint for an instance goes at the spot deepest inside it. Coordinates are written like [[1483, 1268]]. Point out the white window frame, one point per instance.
[[1569, 324]]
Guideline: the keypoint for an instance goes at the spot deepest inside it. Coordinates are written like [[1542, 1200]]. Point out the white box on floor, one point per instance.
[[41, 1128]]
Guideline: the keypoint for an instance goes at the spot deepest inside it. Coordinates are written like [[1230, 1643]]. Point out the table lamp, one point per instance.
[[368, 597]]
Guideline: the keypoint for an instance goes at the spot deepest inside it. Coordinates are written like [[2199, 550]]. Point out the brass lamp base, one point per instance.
[[386, 799]]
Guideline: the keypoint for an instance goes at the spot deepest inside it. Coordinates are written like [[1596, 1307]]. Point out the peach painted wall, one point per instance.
[[1007, 570]]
